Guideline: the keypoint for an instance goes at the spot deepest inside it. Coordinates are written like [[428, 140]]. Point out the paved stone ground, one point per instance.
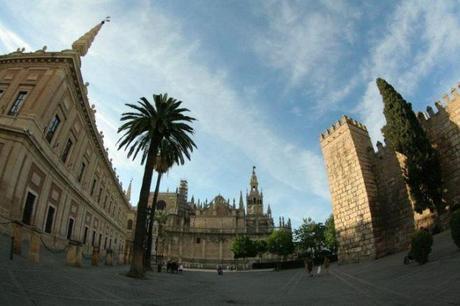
[[383, 282]]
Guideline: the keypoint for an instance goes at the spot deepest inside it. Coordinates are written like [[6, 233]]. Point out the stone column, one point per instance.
[[74, 254], [34, 248]]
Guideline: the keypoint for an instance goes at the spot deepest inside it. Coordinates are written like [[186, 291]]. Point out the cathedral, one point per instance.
[[200, 234]]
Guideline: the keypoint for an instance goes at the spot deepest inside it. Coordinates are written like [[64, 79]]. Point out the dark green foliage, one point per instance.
[[280, 242], [243, 247], [455, 227], [261, 247], [421, 244], [405, 134], [330, 237]]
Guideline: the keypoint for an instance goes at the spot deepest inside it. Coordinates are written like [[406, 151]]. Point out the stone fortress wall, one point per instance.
[[372, 206]]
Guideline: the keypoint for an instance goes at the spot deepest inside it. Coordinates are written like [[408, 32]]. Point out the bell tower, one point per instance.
[[254, 198]]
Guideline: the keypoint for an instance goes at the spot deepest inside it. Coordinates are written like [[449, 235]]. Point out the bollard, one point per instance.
[[109, 258], [17, 234], [34, 249], [74, 254], [95, 256]]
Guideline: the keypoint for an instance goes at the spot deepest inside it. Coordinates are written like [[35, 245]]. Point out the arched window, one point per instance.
[[130, 224], [161, 205]]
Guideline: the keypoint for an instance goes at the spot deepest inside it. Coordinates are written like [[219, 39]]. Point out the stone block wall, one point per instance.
[[372, 206], [352, 184]]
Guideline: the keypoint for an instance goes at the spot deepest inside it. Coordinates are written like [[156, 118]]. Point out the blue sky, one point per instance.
[[263, 78]]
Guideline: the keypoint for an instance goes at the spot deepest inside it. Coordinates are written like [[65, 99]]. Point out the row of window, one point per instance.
[[28, 212], [49, 135]]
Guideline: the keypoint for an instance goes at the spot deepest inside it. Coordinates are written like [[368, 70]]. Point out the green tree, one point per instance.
[[144, 128], [330, 238], [261, 248], [280, 243], [405, 135], [310, 236], [169, 153], [243, 247]]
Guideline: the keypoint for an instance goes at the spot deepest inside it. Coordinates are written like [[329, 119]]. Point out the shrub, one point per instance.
[[455, 227], [421, 244]]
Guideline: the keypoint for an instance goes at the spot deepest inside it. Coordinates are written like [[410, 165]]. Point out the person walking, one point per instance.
[[318, 271], [309, 266], [326, 264]]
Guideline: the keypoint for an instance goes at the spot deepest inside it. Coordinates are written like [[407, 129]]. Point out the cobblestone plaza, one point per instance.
[[383, 282]]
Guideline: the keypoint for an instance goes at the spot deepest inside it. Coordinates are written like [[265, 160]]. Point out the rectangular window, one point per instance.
[[110, 243], [52, 127], [93, 240], [85, 235], [105, 201], [28, 208], [93, 186], [105, 243], [70, 229], [100, 240], [17, 103], [82, 171], [66, 152], [49, 219], [198, 240]]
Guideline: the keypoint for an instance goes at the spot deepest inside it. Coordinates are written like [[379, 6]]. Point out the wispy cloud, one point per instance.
[[419, 38], [307, 42], [131, 59], [11, 41]]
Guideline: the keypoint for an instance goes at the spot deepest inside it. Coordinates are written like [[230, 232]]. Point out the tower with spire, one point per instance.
[[254, 198]]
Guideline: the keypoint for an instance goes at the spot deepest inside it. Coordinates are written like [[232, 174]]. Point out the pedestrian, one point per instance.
[[219, 270], [309, 266], [318, 271], [326, 264]]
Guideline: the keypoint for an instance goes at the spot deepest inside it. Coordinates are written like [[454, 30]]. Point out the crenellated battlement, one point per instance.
[[343, 120], [440, 105]]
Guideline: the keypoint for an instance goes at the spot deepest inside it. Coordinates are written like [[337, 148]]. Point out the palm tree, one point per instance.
[[143, 129], [169, 153]]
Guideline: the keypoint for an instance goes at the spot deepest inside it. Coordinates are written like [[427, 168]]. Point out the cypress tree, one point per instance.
[[405, 135]]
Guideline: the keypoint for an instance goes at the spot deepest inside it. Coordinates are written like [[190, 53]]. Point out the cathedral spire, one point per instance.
[[241, 200], [82, 44], [269, 210], [128, 192], [254, 184]]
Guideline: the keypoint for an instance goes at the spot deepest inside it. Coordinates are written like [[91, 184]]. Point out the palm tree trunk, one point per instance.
[[137, 263], [148, 252]]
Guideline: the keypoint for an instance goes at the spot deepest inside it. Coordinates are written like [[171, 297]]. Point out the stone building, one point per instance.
[[56, 178], [201, 234], [372, 207]]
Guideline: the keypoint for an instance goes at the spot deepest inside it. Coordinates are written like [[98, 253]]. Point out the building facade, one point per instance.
[[372, 206], [56, 178], [200, 235]]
